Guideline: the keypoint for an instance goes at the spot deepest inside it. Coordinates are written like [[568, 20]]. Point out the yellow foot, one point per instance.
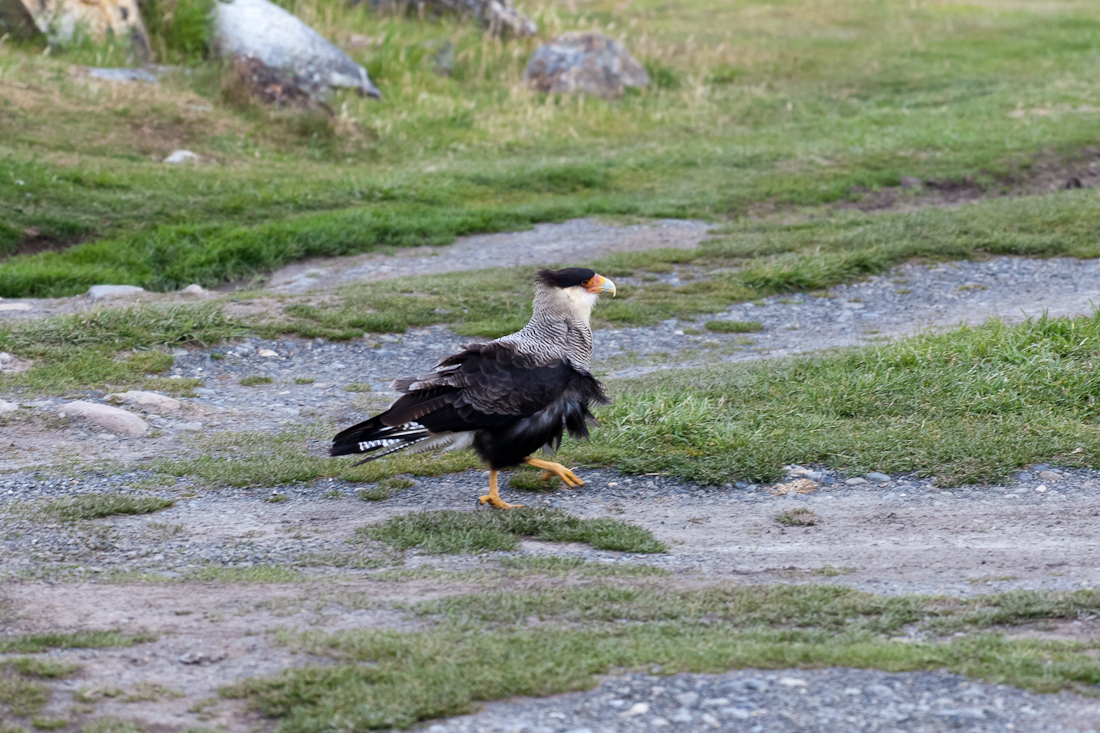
[[493, 498], [569, 478], [497, 503]]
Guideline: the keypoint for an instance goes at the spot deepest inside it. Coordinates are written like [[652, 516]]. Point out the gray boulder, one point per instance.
[[587, 63], [264, 32]]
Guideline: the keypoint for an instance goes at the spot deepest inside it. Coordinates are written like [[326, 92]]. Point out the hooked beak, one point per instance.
[[601, 285]]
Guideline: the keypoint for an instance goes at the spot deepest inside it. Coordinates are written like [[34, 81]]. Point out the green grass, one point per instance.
[[384, 679], [37, 643], [455, 532], [793, 104], [734, 326], [42, 668], [112, 348], [255, 380], [967, 406], [254, 574], [743, 262], [558, 566], [97, 506], [797, 517]]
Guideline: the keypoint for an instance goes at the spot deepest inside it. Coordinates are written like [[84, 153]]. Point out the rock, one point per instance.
[[96, 19], [876, 477], [1041, 488], [588, 63], [6, 407], [147, 399], [261, 30], [110, 418], [16, 20], [638, 708], [856, 481], [124, 75], [101, 292], [6, 358], [194, 289], [267, 352], [681, 716], [201, 657], [792, 682], [798, 486], [963, 714], [179, 157], [1052, 476], [687, 699]]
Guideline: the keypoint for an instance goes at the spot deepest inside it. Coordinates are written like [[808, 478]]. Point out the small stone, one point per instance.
[[204, 391], [714, 702], [110, 418], [877, 477], [856, 481], [15, 307], [194, 289], [852, 691], [687, 699], [101, 292], [6, 407], [738, 713], [638, 708], [710, 720], [792, 488], [6, 358], [1041, 488], [792, 682], [658, 722], [963, 714], [201, 657], [189, 426], [267, 352], [179, 157], [147, 399], [1051, 476], [681, 716], [585, 62]]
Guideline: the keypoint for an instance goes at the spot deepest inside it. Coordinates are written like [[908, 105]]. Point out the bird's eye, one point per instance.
[[585, 282]]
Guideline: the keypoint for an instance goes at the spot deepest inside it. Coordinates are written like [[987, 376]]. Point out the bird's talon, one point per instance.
[[497, 502]]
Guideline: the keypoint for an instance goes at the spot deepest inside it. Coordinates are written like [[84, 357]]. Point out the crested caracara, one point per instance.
[[505, 399]]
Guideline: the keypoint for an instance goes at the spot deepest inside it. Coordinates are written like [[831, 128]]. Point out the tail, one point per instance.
[[373, 435]]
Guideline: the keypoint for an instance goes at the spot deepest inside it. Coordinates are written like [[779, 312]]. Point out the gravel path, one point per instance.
[[809, 701], [545, 244]]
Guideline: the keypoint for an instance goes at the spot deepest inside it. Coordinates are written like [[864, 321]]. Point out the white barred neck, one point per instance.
[[559, 326]]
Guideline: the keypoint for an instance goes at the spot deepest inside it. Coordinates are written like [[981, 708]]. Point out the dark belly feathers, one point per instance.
[[512, 406]]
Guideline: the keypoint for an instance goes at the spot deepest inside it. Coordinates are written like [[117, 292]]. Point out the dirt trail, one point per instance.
[[571, 242]]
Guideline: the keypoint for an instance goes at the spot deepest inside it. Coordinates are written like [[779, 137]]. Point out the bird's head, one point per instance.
[[576, 288]]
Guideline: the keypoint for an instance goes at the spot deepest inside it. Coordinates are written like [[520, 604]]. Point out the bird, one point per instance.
[[506, 398]]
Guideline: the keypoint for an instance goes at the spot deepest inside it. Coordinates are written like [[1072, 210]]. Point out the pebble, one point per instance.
[[178, 157], [1051, 476], [6, 407], [855, 481], [877, 477], [147, 399], [110, 418]]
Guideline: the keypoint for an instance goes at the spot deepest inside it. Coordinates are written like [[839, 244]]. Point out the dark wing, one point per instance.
[[486, 386]]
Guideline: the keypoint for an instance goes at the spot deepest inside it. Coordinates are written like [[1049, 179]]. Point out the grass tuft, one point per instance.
[[452, 532], [734, 326], [797, 517], [97, 506], [37, 643], [255, 380]]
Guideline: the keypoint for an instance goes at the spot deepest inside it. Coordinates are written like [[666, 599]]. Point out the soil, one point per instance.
[[888, 535]]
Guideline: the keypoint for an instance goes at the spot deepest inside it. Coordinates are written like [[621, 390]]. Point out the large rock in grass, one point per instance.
[[265, 33], [65, 21], [587, 63], [114, 419]]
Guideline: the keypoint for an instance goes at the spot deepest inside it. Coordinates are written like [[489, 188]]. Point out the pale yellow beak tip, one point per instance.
[[608, 287]]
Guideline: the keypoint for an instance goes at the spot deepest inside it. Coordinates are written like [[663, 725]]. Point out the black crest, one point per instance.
[[566, 278]]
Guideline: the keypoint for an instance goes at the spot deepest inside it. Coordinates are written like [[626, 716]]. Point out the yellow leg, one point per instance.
[[556, 469], [493, 498]]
